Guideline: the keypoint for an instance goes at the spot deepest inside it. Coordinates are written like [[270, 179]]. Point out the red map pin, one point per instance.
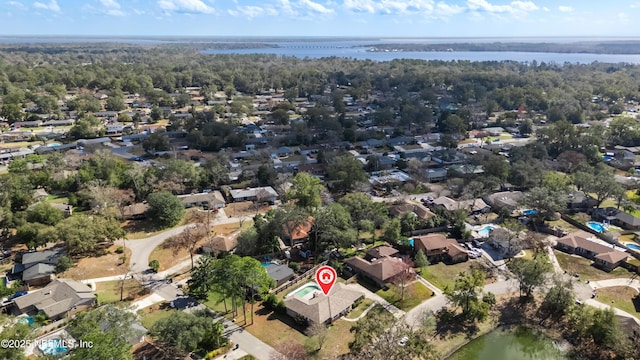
[[326, 277]]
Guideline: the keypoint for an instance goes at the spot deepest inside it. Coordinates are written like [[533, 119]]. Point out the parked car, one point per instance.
[[17, 295], [403, 341]]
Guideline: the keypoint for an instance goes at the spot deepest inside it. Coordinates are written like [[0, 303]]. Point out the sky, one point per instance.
[[348, 18]]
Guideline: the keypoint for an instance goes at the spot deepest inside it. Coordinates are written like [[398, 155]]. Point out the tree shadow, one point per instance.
[[448, 322]]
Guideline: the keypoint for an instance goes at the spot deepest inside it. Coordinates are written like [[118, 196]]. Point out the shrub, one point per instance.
[[294, 266], [120, 250], [270, 301], [64, 264]]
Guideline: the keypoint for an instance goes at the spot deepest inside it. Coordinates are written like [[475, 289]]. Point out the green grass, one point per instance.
[[414, 294], [442, 275], [150, 315], [582, 267], [620, 297], [109, 291], [216, 304], [364, 304]]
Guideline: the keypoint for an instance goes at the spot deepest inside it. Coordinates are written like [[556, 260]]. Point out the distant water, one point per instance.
[[351, 49]]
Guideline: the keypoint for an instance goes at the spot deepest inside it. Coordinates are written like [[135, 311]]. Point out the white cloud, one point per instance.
[[390, 6], [17, 5], [445, 10], [187, 6], [111, 7], [623, 18], [512, 8], [251, 11], [315, 7], [565, 9], [52, 5]]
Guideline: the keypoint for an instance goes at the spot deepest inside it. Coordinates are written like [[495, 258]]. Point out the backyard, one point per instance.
[[151, 314], [574, 264], [620, 297], [414, 294]]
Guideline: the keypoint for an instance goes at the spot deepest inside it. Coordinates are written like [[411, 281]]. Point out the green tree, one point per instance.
[[331, 228], [14, 332], [154, 265], [545, 202], [530, 273], [391, 231], [165, 208], [44, 213], [156, 142], [305, 191], [12, 113], [346, 172], [115, 103], [32, 234], [364, 211], [84, 234], [421, 259], [467, 294], [109, 328], [186, 332], [156, 113], [559, 298]]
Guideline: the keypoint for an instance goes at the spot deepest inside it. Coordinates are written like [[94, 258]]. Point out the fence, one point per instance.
[[429, 231], [309, 273]]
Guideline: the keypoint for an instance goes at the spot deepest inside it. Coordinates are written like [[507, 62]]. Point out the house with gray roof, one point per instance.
[[316, 308], [61, 298], [279, 273], [37, 268], [266, 194]]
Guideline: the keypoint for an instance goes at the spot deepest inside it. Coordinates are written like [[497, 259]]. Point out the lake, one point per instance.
[[522, 344]]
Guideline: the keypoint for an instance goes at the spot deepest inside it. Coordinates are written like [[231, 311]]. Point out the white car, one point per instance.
[[403, 341]]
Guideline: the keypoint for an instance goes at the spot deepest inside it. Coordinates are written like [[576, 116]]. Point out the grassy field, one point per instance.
[[109, 291], [442, 275], [414, 294], [150, 315], [620, 297], [582, 267]]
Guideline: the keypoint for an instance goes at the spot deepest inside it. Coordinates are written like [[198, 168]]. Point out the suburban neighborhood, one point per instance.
[[146, 220]]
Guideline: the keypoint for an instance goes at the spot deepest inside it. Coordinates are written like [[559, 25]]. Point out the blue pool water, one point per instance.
[[633, 246], [29, 320], [53, 347], [528, 212], [411, 242], [599, 227], [484, 231], [607, 158]]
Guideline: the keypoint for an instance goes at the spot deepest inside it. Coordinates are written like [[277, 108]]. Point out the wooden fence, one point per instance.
[[309, 273]]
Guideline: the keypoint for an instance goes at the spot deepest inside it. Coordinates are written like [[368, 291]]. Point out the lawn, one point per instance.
[[101, 266], [151, 314], [562, 224], [109, 291], [442, 275], [581, 266], [414, 294], [364, 305], [620, 297], [274, 328]]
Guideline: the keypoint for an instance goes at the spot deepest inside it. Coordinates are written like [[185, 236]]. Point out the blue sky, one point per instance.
[[387, 18]]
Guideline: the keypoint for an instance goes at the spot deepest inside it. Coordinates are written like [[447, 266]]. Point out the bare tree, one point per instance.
[[289, 350], [403, 278], [188, 239], [124, 279], [320, 331]]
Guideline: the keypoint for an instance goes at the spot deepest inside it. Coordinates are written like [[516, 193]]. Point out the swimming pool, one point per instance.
[[485, 230], [599, 227], [528, 212], [306, 291], [411, 242], [607, 158], [52, 347], [633, 246]]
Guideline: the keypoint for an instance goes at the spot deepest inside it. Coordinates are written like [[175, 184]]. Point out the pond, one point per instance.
[[521, 344]]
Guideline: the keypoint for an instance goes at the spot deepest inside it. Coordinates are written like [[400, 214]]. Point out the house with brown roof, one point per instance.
[[316, 308], [135, 211], [438, 248], [419, 210], [583, 243], [62, 297], [378, 266], [474, 206], [208, 200], [297, 232]]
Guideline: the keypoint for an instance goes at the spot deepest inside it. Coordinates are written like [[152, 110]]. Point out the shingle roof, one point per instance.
[[279, 272], [613, 256], [432, 241], [628, 219], [382, 251], [317, 309], [224, 243], [380, 269], [56, 298], [581, 239]]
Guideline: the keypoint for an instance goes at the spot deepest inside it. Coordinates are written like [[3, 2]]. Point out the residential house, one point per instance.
[[507, 200], [37, 268], [263, 194], [27, 124], [64, 208], [284, 151], [208, 201], [438, 248], [316, 308], [317, 170], [437, 174], [586, 245], [380, 252], [280, 273], [474, 206], [418, 209], [494, 131], [616, 217], [61, 298], [135, 211], [380, 270], [297, 232], [579, 201], [383, 180], [221, 244]]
